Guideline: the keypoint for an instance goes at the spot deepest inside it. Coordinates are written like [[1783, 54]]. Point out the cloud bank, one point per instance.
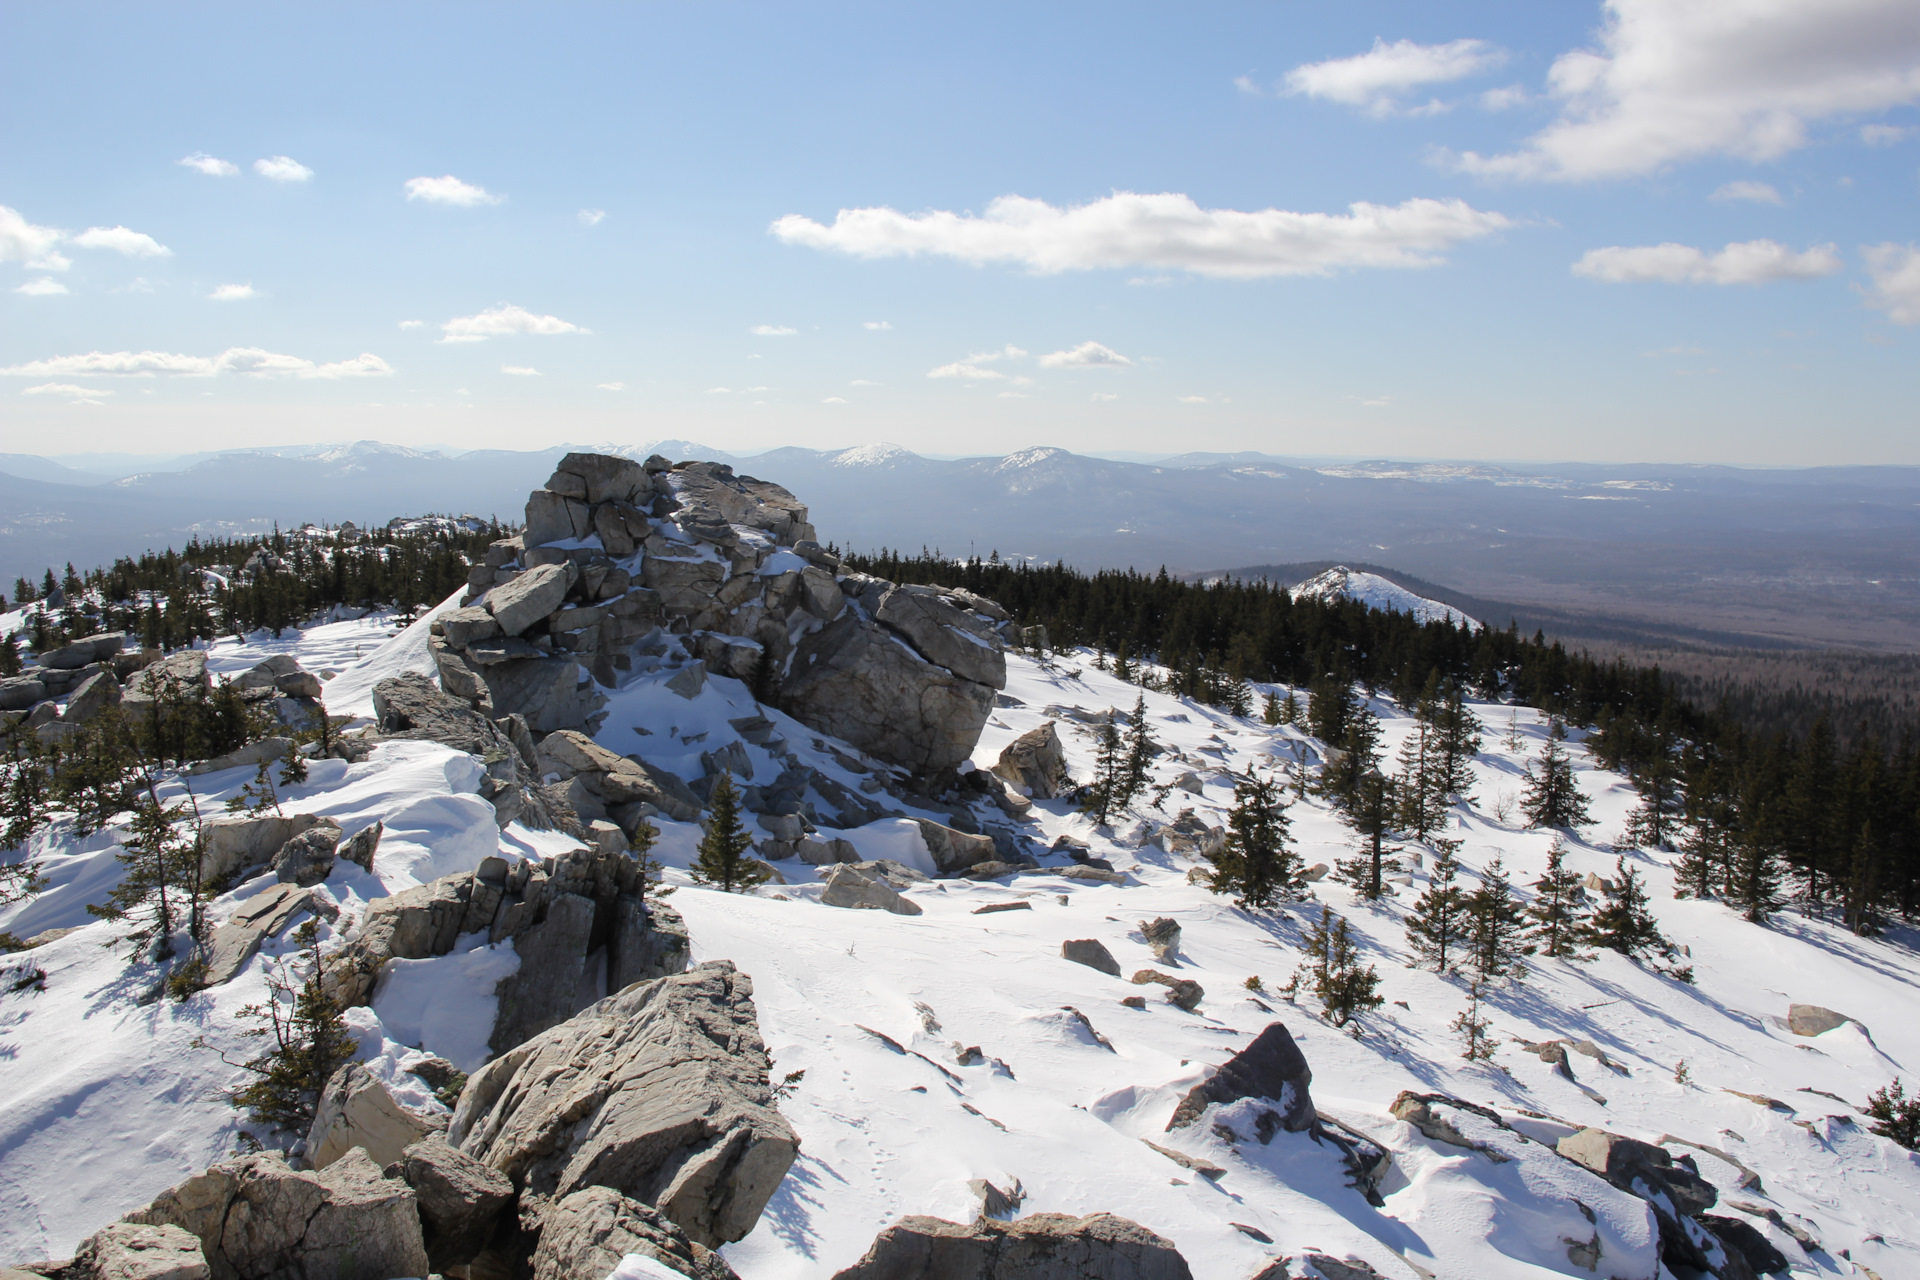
[[1374, 81], [247, 361], [1748, 262], [1895, 272], [504, 321]]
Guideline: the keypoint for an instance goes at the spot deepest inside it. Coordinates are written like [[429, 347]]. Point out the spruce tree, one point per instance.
[[1552, 798], [1895, 1115], [156, 892], [1473, 1027], [9, 655], [305, 1028], [1754, 882], [1255, 862], [1102, 800], [1356, 756], [1624, 922], [1436, 927], [1458, 730], [1270, 712], [1420, 785], [1344, 987], [1290, 708], [1369, 813], [720, 860], [1330, 705], [1555, 912], [1496, 928], [1136, 773]]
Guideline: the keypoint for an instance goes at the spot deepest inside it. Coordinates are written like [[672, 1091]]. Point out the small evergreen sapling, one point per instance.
[[1472, 1028], [1755, 882], [1436, 928], [1555, 914], [721, 858], [1255, 862], [1496, 928], [1895, 1115], [1344, 987], [305, 1028], [1102, 800], [1369, 813], [1552, 797], [1270, 712], [157, 890], [1624, 922]]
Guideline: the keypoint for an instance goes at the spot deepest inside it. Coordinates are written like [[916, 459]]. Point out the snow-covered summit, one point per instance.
[[1377, 592]]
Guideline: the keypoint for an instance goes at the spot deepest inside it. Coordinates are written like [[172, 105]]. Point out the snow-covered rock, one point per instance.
[[1377, 592]]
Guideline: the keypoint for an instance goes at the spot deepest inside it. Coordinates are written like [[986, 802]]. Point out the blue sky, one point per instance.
[[1496, 231]]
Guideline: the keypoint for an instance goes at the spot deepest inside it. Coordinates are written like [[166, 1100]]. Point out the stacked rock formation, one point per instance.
[[627, 567]]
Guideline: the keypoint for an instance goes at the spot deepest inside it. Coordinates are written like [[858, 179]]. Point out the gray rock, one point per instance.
[[307, 859], [1741, 1237], [1092, 953], [946, 636], [544, 992], [132, 1251], [1190, 783], [1271, 1068], [533, 595], [234, 843], [847, 887], [689, 680], [265, 674], [42, 715], [709, 492], [821, 853], [356, 1112], [1187, 834], [78, 653], [181, 670], [607, 478], [1035, 764], [551, 693], [260, 917], [1163, 938], [300, 684], [464, 626], [659, 1092], [783, 826], [856, 682], [409, 707], [649, 942], [585, 1236], [616, 780], [461, 1200], [95, 694], [554, 517], [257, 1219], [1812, 1020], [820, 595], [686, 587], [17, 693], [360, 848], [1625, 1161], [1041, 1246], [954, 852]]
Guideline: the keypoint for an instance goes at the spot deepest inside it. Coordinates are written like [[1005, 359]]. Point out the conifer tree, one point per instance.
[[1330, 705], [1369, 813], [156, 892], [1102, 800], [9, 655], [1344, 987], [1552, 798], [1555, 913], [1754, 881], [1473, 1027], [305, 1028], [1458, 730], [1496, 928], [1624, 922], [720, 860], [1895, 1115], [1137, 771], [1653, 822], [1290, 708], [26, 799], [1356, 756], [1420, 785], [1123, 668], [1255, 861], [1437, 925], [1270, 712]]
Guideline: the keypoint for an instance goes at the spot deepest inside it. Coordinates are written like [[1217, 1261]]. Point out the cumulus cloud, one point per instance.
[[449, 190], [1166, 230], [232, 293], [1883, 135], [22, 241], [590, 217], [1088, 355], [520, 370], [121, 240], [212, 166], [503, 321], [610, 386], [772, 331], [1374, 81], [833, 400], [1505, 99], [973, 367], [38, 247], [413, 324], [1758, 192], [878, 324], [249, 361], [62, 389], [1674, 80], [282, 169], [1748, 262], [41, 287], [1895, 271]]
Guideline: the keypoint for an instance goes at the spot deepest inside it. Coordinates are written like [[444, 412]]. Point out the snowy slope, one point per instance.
[[1377, 592], [103, 1102]]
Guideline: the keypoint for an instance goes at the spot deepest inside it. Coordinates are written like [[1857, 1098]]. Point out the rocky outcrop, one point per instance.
[[410, 708], [659, 1093], [847, 887], [258, 1219], [1041, 1246], [1035, 764], [179, 671], [307, 859], [356, 1111], [265, 915], [462, 1202], [1271, 1068], [592, 899], [131, 1251], [1673, 1188], [1188, 835], [1090, 952], [954, 852], [1812, 1020], [585, 1236], [603, 784]]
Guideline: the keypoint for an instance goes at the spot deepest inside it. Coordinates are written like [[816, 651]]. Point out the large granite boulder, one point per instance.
[[181, 671], [1035, 764], [258, 1219], [1041, 1246], [585, 1236], [659, 1093], [232, 844], [1271, 1068], [410, 707], [461, 1200], [132, 1251], [357, 1112]]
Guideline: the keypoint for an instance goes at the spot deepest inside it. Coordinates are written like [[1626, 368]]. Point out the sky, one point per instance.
[[1648, 230]]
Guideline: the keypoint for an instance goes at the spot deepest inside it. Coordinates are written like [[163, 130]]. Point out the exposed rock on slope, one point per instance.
[[659, 1093], [1042, 1246], [586, 1235]]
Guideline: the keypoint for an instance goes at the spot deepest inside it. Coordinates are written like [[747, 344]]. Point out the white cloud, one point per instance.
[[833, 400], [970, 368], [1747, 262], [22, 241], [1166, 230], [1100, 397], [610, 386], [772, 331], [1883, 135], [413, 324], [1195, 400], [1895, 269], [61, 389], [1674, 80], [133, 244], [449, 190], [282, 169], [520, 370], [1758, 192], [590, 217], [1013, 395], [878, 324], [232, 293], [239, 360], [212, 166], [1088, 355], [1374, 81], [1505, 99], [503, 321], [42, 287]]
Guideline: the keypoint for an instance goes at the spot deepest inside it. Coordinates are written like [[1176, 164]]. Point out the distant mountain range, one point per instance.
[[1708, 554]]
